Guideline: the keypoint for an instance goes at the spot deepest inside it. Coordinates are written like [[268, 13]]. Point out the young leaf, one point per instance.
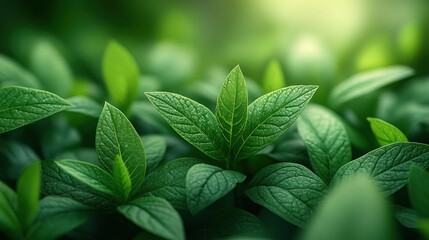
[[11, 74], [289, 190], [418, 191], [206, 183], [28, 192], [169, 181], [121, 177], [191, 120], [326, 140], [20, 106], [89, 174], [57, 216], [9, 222], [355, 209], [364, 83], [155, 215], [388, 165], [273, 78], [121, 75], [385, 132], [51, 69], [84, 105], [116, 136], [271, 115], [231, 108], [155, 147]]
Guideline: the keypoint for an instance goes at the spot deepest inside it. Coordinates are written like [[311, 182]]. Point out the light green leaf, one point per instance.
[[21, 106], [9, 222], [121, 75], [155, 215], [169, 181], [191, 120], [56, 181], [271, 115], [273, 77], [231, 108], [364, 83], [418, 191], [388, 165], [386, 133], [84, 105], [11, 74], [326, 140], [206, 183], [57, 216], [116, 136], [354, 210], [28, 192], [51, 69], [121, 177], [155, 147], [289, 190], [89, 174]]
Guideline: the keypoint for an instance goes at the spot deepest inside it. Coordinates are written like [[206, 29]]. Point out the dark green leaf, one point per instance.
[[155, 215], [28, 191], [9, 222], [289, 190], [155, 147], [407, 217], [326, 140], [388, 165], [21, 106], [418, 190], [206, 183], [14, 157], [84, 105], [11, 74], [386, 133], [191, 120], [271, 115]]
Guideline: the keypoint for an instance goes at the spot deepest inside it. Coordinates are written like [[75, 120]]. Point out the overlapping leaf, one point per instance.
[[386, 133]]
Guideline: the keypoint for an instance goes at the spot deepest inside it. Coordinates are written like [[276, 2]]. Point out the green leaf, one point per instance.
[[155, 215], [418, 191], [56, 181], [271, 115], [21, 106], [206, 183], [9, 222], [169, 181], [51, 69], [406, 216], [84, 105], [273, 77], [28, 191], [231, 108], [289, 190], [89, 174], [116, 136], [121, 75], [121, 177], [155, 147], [386, 133], [354, 210], [388, 165], [57, 216], [14, 157], [326, 140], [11, 74], [367, 82], [191, 120]]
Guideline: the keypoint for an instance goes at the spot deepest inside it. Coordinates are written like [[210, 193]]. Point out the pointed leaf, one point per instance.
[[231, 108], [388, 165], [355, 209], [191, 120], [206, 183], [289, 190], [28, 191], [155, 147], [121, 75], [20, 106], [326, 140], [9, 222], [89, 174], [273, 78], [12, 74], [418, 191], [155, 215], [121, 177], [271, 115], [386, 133], [116, 136], [364, 83], [84, 105]]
